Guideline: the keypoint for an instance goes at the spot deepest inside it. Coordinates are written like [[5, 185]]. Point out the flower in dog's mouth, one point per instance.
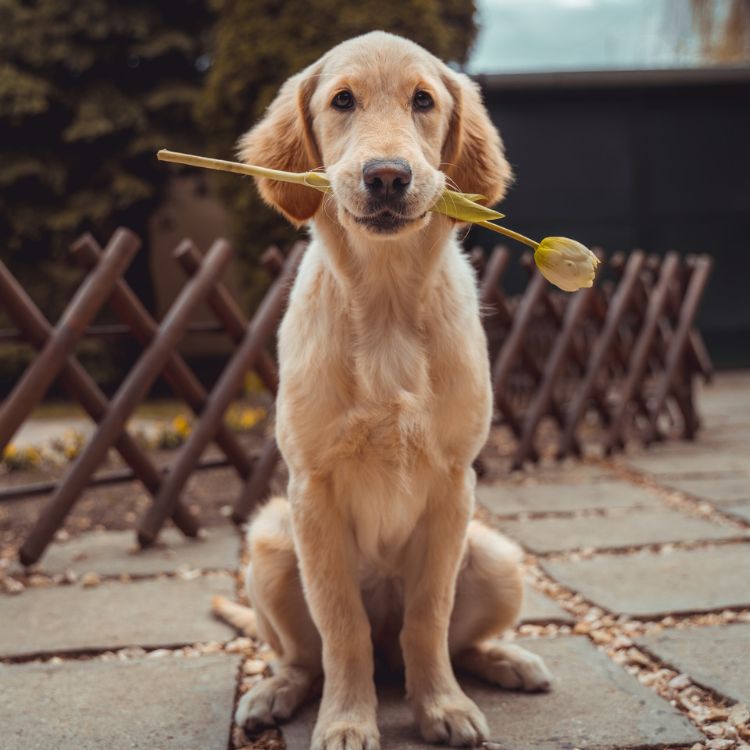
[[565, 263]]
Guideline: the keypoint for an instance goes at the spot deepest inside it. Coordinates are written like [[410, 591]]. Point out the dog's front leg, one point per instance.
[[442, 710], [328, 564]]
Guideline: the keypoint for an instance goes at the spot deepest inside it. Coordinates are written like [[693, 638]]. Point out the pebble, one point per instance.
[[714, 730], [133, 652], [157, 653], [739, 714], [188, 574], [254, 666], [636, 657], [679, 682], [90, 579], [238, 645], [621, 641], [12, 586]]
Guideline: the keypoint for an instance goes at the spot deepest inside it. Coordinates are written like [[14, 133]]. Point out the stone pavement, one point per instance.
[[139, 703], [638, 598]]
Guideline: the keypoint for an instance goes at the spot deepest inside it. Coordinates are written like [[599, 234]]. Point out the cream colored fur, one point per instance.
[[384, 403]]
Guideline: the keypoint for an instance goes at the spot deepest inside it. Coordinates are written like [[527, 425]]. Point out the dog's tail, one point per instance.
[[241, 617]]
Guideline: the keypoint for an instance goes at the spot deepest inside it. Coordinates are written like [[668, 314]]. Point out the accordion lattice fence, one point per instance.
[[624, 353]]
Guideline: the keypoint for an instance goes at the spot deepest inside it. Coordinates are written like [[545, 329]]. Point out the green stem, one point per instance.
[[508, 233], [229, 166]]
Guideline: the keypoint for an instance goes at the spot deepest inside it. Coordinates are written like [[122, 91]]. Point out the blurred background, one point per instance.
[[626, 121]]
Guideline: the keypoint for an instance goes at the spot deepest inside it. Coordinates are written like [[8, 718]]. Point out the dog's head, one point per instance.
[[390, 124]]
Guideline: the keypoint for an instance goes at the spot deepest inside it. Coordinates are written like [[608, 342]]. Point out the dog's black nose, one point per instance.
[[386, 178]]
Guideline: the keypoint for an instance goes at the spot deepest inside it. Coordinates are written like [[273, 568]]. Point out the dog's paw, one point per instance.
[[452, 719], [346, 735], [513, 667], [272, 700]]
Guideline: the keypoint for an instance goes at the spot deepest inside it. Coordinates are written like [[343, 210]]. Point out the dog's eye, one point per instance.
[[343, 100], [422, 100]]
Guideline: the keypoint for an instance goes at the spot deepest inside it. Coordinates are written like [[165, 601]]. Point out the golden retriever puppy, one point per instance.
[[384, 403]]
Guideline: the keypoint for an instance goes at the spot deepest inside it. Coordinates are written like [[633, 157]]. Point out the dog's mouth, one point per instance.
[[386, 221]]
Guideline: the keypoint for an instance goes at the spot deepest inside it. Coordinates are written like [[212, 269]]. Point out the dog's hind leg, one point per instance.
[[283, 620], [489, 592]]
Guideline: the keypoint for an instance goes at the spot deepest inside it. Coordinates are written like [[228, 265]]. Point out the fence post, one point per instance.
[[263, 324], [180, 377], [81, 386], [82, 309], [598, 357], [128, 396], [641, 349], [229, 313], [541, 402], [677, 347]]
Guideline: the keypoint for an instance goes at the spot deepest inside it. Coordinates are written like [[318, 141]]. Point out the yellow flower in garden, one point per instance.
[[70, 444], [566, 263], [243, 419], [33, 456], [181, 425], [250, 417], [253, 383], [16, 458]]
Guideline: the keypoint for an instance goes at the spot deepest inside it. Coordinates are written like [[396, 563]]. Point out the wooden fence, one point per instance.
[[625, 350]]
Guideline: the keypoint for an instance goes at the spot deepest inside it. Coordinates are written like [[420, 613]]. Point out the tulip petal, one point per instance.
[[566, 263], [463, 206]]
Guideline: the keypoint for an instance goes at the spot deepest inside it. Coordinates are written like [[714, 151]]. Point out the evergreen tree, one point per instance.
[[88, 92], [258, 44]]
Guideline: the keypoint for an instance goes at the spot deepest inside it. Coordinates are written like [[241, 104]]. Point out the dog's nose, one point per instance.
[[386, 178]]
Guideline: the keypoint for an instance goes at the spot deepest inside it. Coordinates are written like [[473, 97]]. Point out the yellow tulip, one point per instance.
[[565, 263]]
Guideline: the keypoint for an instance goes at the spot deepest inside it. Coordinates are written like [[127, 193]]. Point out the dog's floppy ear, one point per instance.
[[473, 154], [284, 140]]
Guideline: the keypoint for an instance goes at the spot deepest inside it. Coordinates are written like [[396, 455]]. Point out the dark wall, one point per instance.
[[657, 167]]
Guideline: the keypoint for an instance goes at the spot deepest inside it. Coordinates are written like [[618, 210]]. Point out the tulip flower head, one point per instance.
[[565, 263]]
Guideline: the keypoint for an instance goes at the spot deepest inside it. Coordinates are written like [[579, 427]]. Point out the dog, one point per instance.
[[384, 403]]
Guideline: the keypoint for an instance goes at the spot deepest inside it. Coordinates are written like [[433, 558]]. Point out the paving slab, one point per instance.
[[647, 584], [143, 703], [509, 499], [538, 608], [741, 511], [725, 401], [568, 472], [677, 461], [631, 529], [150, 613], [716, 657], [114, 553], [722, 490], [593, 704]]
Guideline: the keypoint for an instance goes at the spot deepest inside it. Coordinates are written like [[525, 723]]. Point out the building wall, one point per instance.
[[626, 162]]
